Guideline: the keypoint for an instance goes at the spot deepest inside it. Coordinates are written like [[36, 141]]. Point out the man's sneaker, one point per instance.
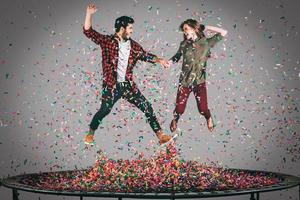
[[166, 139], [164, 142], [89, 139]]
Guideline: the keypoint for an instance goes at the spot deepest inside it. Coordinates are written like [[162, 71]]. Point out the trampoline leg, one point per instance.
[[119, 198], [252, 197], [257, 196], [15, 194], [81, 197]]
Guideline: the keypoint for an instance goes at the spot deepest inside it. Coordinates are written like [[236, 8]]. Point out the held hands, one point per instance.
[[91, 9], [165, 63]]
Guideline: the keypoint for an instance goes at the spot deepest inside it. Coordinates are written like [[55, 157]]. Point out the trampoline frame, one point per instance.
[[289, 182]]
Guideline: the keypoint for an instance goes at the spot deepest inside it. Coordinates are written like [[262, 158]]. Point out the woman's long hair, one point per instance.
[[199, 28]]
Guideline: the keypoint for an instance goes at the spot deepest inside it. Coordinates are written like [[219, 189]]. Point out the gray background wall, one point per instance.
[[50, 74]]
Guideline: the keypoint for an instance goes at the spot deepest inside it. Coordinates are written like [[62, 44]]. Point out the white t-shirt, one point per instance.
[[124, 50]]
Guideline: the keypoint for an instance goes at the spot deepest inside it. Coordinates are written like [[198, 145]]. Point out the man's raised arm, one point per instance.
[[90, 10], [88, 29]]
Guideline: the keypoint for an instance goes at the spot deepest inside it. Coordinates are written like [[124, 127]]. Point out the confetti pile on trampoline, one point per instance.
[[164, 172]]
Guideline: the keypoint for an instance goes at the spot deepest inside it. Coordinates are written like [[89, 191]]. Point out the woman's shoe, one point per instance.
[[173, 125], [212, 126]]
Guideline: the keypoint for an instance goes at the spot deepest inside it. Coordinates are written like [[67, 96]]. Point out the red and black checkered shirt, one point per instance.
[[110, 52]]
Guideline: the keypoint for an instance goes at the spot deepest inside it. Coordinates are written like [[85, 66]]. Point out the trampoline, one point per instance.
[[286, 182], [164, 176]]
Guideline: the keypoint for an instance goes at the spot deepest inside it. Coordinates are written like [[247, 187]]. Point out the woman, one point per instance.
[[195, 49]]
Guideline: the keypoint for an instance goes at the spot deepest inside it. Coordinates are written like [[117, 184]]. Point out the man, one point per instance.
[[119, 56]]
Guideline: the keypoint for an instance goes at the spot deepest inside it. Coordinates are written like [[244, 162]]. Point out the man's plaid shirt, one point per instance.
[[110, 51]]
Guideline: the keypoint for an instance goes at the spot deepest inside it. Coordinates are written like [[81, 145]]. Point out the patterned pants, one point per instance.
[[124, 90]]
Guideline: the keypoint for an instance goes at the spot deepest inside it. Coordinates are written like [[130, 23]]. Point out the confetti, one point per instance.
[[165, 172]]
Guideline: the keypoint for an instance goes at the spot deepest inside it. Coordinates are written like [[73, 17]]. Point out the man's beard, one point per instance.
[[124, 36]]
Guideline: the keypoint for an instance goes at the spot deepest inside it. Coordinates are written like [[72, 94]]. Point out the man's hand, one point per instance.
[[163, 62], [91, 9]]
